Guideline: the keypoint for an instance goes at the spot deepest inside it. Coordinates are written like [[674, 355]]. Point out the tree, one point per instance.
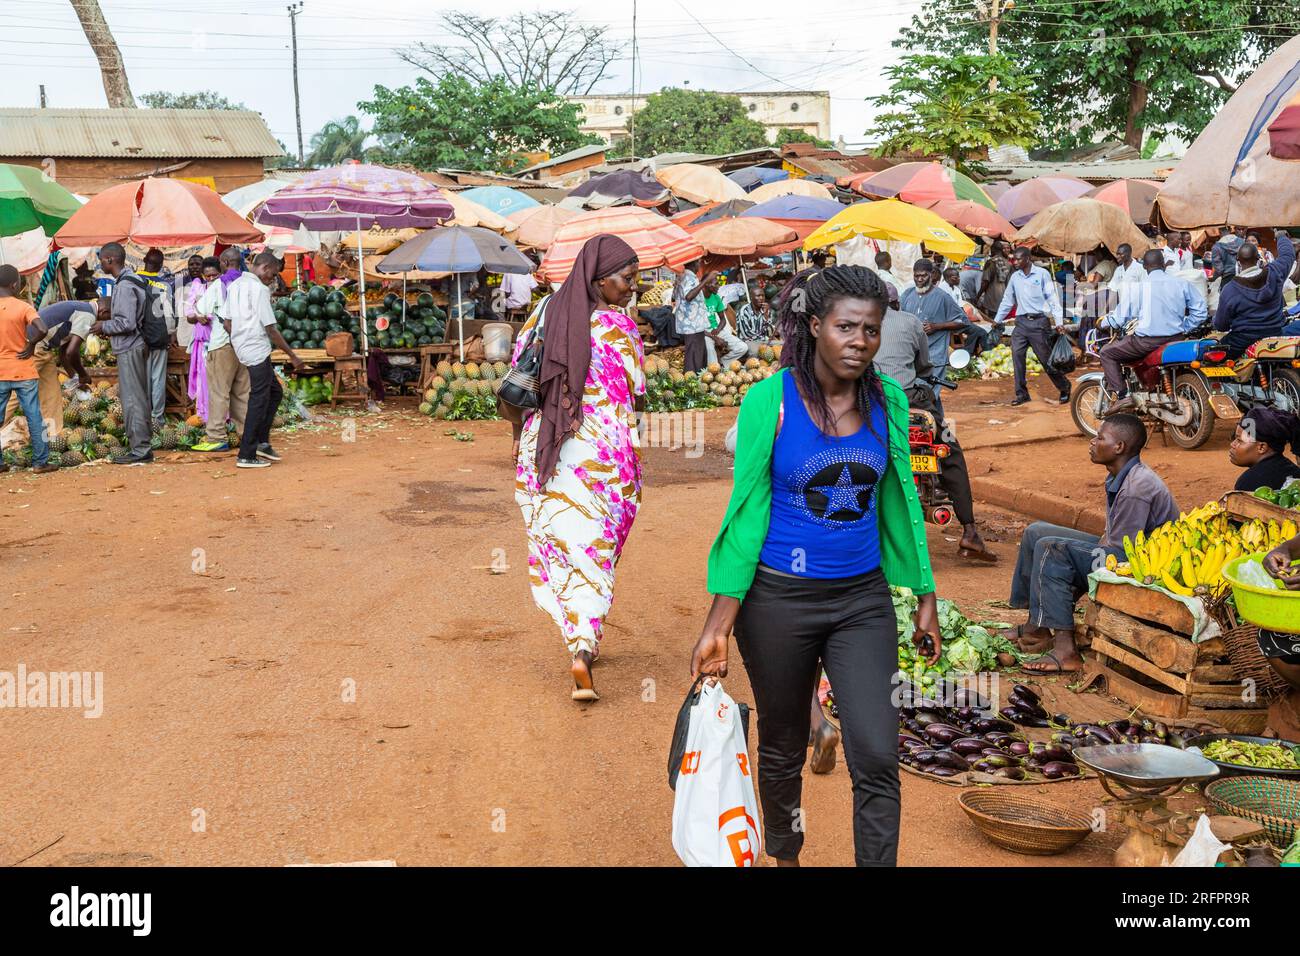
[[458, 123], [785, 136], [694, 121], [338, 141], [111, 68], [1124, 69], [942, 106], [548, 49], [202, 100]]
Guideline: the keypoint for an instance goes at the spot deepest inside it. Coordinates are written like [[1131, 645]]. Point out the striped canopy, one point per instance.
[[357, 194], [657, 241], [920, 183]]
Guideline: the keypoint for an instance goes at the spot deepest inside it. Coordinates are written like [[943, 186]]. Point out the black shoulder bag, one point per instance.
[[522, 386]]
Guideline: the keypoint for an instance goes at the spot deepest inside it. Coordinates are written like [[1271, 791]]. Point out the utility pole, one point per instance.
[[992, 10], [42, 96], [631, 120], [294, 10]]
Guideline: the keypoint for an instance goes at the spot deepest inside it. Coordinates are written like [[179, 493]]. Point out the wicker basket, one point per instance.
[[1024, 824], [1272, 802], [1247, 663]]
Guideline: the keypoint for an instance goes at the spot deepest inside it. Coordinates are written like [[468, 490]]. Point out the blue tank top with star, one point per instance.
[[823, 522]]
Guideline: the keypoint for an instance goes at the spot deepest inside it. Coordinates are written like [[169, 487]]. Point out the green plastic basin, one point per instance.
[[1277, 610]]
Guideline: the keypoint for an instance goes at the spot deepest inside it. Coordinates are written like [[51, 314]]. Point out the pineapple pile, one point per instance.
[[669, 389], [464, 391], [1187, 556]]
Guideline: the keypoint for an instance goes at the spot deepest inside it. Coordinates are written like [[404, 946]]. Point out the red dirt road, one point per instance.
[[344, 678]]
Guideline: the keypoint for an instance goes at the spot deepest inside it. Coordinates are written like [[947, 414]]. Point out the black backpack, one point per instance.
[[153, 321]]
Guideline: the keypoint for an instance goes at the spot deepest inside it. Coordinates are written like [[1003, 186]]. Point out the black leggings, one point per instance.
[[786, 626]]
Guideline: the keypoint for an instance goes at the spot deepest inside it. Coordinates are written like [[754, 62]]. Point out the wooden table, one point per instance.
[[178, 401]]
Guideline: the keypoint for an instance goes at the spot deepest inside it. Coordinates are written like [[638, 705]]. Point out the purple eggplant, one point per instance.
[[942, 771], [1002, 760], [985, 725], [1053, 752], [1011, 773], [946, 758], [992, 752], [925, 757], [968, 745], [1025, 692], [1018, 748], [1058, 769], [943, 734], [927, 717]]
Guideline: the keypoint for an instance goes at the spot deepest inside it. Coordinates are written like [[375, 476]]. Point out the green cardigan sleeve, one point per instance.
[[733, 559]]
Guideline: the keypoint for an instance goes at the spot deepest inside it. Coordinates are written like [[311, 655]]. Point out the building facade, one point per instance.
[[605, 115]]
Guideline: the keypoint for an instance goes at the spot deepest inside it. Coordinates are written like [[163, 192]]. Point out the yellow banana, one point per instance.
[[1173, 585]]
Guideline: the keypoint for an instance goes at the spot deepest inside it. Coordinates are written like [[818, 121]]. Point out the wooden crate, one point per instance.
[[1141, 646], [1243, 506]]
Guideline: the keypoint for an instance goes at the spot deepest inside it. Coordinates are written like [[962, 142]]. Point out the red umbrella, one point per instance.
[[1134, 196], [1020, 203], [971, 218], [156, 212]]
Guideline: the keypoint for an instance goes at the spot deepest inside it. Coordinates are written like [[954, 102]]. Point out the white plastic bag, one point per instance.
[[715, 813], [1203, 848]]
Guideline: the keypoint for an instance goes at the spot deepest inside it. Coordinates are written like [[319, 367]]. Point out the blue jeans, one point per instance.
[[1052, 573], [1291, 328], [31, 406]]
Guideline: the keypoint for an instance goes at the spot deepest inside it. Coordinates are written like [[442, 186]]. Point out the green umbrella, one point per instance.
[[28, 200]]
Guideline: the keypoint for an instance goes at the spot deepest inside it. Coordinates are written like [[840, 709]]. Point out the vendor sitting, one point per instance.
[[1054, 562], [1259, 447], [1282, 649]]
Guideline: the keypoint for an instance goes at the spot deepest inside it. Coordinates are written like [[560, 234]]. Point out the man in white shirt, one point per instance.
[[227, 379], [1127, 270], [250, 323], [1033, 294], [1170, 257], [518, 291], [1184, 257]]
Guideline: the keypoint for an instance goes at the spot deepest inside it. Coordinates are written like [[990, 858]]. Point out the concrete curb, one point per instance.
[[1039, 505]]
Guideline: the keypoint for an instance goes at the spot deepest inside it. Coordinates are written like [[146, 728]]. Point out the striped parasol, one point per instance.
[[920, 183], [746, 236], [657, 241], [971, 218], [356, 196], [537, 225], [1021, 203]]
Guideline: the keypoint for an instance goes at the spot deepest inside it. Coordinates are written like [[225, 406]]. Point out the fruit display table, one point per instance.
[[1243, 505]]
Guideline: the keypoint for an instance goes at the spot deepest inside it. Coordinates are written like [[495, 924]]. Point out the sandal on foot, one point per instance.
[[977, 555], [825, 740], [583, 688], [1058, 669]]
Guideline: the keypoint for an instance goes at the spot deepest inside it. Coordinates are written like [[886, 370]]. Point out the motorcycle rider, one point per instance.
[[1250, 305], [1165, 307], [904, 356]]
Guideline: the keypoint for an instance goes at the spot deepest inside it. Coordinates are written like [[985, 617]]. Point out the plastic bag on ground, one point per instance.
[[1203, 847]]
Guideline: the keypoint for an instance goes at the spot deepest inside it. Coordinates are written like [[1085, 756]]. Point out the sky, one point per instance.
[[345, 49]]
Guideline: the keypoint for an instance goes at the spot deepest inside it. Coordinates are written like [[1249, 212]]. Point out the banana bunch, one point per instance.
[[1186, 556]]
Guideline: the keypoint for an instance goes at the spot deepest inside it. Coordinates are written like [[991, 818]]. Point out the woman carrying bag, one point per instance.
[[823, 518], [572, 395]]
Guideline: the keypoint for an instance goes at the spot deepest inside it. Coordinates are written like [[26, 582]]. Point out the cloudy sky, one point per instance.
[[346, 48]]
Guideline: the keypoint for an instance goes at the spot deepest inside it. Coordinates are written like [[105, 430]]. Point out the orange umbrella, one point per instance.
[[1134, 196], [744, 236], [657, 241], [537, 224], [972, 218], [157, 212]]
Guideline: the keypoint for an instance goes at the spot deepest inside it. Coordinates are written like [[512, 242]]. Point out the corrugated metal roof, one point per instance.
[[124, 134], [580, 153], [1103, 172]]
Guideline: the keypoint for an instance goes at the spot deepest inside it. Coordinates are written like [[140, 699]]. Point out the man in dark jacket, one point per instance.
[[1250, 305]]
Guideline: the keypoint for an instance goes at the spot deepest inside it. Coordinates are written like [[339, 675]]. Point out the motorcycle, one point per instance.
[[1270, 371], [928, 452], [1187, 385]]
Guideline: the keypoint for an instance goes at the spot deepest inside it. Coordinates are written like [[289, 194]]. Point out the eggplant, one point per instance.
[[993, 752], [1018, 748], [1033, 720], [1061, 720], [927, 717], [999, 739], [1024, 691], [983, 766], [1096, 730], [968, 745], [946, 758], [943, 734], [1054, 752], [1010, 713], [1065, 740], [985, 725], [925, 757], [1002, 760], [942, 772], [1011, 773], [965, 697], [964, 713], [1058, 769]]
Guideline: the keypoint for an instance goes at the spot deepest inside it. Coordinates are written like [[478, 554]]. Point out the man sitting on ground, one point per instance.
[[1054, 562], [1165, 308]]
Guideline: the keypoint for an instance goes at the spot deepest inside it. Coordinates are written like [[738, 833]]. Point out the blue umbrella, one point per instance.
[[456, 249], [808, 208], [502, 200], [751, 177]]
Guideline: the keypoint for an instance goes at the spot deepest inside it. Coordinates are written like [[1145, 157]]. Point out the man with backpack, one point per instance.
[[130, 324], [161, 282]]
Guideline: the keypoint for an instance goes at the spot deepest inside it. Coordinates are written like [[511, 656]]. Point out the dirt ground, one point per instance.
[[316, 662]]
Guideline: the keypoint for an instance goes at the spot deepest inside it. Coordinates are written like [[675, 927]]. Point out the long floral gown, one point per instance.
[[578, 520]]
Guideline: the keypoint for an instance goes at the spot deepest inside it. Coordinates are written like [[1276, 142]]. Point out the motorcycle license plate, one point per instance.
[[927, 464], [1218, 371]]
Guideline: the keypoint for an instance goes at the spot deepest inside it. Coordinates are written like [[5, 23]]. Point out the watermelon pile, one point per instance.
[[425, 323], [310, 314]]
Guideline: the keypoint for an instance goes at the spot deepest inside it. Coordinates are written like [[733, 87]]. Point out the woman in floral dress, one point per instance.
[[578, 471]]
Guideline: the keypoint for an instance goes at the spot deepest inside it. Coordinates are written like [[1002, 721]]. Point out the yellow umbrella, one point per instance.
[[470, 213], [890, 219], [699, 184], [789, 187]]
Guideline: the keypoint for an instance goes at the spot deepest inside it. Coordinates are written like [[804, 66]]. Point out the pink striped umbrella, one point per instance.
[[657, 241]]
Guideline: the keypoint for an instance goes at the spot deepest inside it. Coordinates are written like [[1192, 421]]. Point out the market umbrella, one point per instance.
[[972, 218], [616, 189], [30, 200], [1020, 203], [1081, 225], [357, 196], [501, 200], [698, 183], [803, 214], [1134, 196], [537, 225], [457, 249], [1242, 168], [745, 236], [469, 213], [921, 183], [790, 187], [278, 239], [691, 219], [156, 212], [656, 241], [890, 219], [751, 177], [996, 189]]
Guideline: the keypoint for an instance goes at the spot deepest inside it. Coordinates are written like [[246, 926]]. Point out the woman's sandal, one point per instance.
[[988, 557], [583, 687], [825, 740]]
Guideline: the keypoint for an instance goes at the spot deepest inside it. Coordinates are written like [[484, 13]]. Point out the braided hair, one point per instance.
[[814, 292]]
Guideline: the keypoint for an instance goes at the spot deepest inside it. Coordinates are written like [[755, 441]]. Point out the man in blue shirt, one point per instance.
[[1032, 292], [939, 313], [1251, 303], [1165, 308]]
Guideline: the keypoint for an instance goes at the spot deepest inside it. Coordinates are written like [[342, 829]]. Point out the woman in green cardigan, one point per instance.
[[823, 518]]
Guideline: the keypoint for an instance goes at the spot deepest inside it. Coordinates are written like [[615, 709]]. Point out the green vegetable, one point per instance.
[[1246, 754]]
